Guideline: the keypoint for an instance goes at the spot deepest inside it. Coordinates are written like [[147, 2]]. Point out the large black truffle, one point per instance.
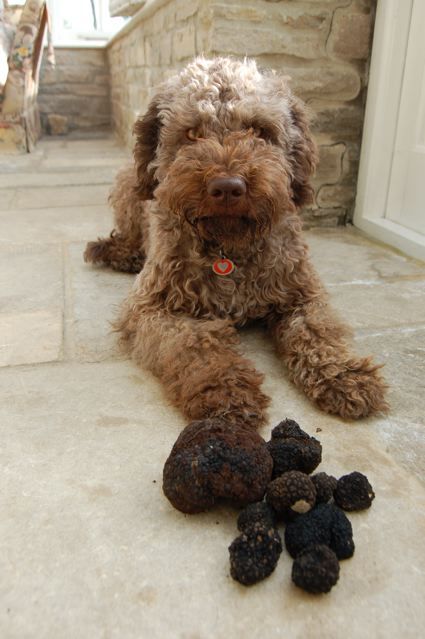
[[325, 485], [259, 513], [213, 459], [325, 524], [316, 569], [254, 554], [293, 492], [293, 449], [353, 492]]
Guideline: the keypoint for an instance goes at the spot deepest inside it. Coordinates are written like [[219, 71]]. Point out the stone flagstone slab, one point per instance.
[[30, 337], [31, 308], [392, 304], [97, 294], [343, 255], [55, 224], [57, 196]]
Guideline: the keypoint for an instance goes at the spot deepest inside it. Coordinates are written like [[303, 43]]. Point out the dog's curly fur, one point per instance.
[[223, 118]]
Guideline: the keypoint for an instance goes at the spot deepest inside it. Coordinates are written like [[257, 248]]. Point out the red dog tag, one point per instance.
[[223, 266]]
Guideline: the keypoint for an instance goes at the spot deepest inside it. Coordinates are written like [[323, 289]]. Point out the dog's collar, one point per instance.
[[223, 266]]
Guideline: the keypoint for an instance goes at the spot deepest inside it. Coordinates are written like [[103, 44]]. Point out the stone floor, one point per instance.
[[89, 547]]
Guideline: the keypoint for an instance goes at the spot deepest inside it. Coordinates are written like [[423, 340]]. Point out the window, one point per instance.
[[82, 21]]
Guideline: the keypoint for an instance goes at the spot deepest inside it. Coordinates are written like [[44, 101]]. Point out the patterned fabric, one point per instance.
[[7, 33], [19, 118]]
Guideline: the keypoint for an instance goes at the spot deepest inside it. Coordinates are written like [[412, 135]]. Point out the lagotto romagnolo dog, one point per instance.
[[208, 214]]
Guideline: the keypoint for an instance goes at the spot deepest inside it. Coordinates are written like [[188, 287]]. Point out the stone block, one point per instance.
[[165, 51], [69, 75], [157, 21], [332, 81], [140, 53], [102, 78], [187, 9], [329, 168], [77, 57], [76, 105], [323, 218], [73, 89], [243, 40], [57, 124], [341, 121], [184, 43], [151, 52], [237, 11], [336, 195], [350, 35]]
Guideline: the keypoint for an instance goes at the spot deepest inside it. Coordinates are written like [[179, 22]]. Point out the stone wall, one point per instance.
[[75, 94], [323, 45], [124, 7]]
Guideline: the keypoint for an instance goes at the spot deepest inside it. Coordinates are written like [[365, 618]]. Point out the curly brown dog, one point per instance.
[[209, 212]]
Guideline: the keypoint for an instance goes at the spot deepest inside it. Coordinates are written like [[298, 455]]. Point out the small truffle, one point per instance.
[[316, 569], [259, 513], [254, 554], [213, 459], [353, 492], [325, 485], [325, 524], [291, 493], [293, 449], [342, 542]]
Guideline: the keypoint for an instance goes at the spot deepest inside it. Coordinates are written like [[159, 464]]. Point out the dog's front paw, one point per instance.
[[238, 400], [116, 253], [355, 392]]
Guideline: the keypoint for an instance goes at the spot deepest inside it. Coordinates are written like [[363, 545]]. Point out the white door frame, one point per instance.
[[382, 107]]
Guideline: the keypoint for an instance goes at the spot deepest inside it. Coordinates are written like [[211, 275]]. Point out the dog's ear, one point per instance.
[[303, 155], [146, 129]]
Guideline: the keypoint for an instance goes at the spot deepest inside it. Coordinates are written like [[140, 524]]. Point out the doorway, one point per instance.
[[391, 189]]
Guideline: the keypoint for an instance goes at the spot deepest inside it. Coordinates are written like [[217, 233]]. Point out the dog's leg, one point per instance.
[[313, 344], [198, 363], [117, 252], [123, 249]]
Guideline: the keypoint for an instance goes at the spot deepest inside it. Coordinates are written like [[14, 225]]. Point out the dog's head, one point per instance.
[[226, 148]]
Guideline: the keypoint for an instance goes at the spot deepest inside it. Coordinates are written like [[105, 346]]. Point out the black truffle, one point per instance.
[[292, 491], [213, 459], [325, 524], [316, 569], [342, 542], [353, 492], [254, 554], [325, 485], [259, 513], [293, 449]]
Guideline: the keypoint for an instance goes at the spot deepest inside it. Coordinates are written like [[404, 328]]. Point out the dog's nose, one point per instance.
[[222, 188]]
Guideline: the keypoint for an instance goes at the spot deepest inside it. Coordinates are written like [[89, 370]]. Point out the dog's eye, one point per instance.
[[263, 133], [192, 134]]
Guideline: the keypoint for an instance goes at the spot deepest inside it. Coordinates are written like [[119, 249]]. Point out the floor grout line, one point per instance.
[[68, 343]]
